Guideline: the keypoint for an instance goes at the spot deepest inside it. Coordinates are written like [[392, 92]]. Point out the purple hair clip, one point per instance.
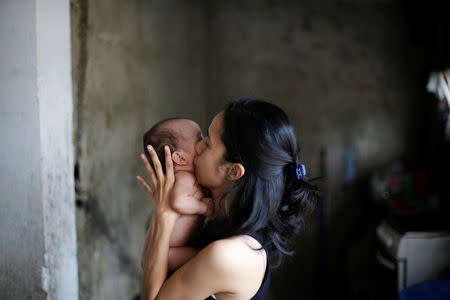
[[298, 171]]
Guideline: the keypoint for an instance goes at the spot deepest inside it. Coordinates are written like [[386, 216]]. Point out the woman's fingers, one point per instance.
[[169, 166], [149, 169], [156, 163], [145, 185]]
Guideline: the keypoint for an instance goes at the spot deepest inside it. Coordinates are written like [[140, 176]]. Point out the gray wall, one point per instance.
[[37, 217], [20, 118], [344, 71], [339, 68], [134, 63]]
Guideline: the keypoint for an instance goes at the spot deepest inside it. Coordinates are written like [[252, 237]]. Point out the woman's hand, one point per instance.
[[156, 251], [162, 184]]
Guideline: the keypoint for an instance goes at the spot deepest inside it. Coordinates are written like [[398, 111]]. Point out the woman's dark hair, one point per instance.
[[267, 200]]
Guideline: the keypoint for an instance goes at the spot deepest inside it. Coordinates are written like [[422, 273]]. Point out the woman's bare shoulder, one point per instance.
[[224, 267], [238, 255], [242, 244], [239, 259]]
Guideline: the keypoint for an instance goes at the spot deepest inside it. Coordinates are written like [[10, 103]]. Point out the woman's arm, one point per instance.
[[179, 253], [156, 257], [164, 219]]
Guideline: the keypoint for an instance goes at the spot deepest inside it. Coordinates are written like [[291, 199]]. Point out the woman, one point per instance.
[[249, 161]]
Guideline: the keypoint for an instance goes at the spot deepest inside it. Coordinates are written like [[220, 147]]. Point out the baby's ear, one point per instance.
[[179, 158]]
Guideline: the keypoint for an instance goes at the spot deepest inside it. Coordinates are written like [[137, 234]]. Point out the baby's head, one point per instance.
[[180, 135]]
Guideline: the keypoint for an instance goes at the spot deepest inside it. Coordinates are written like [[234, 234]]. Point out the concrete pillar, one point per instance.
[[37, 219]]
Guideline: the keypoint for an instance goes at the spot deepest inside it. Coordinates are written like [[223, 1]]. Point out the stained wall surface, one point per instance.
[[38, 253], [345, 71], [134, 63], [20, 205]]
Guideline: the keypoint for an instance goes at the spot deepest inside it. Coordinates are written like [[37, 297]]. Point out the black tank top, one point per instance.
[[264, 287]]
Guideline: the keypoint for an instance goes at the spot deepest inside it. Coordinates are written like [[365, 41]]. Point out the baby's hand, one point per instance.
[[210, 206], [209, 215], [206, 192]]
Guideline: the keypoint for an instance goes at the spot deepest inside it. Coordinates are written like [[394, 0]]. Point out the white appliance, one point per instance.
[[415, 255]]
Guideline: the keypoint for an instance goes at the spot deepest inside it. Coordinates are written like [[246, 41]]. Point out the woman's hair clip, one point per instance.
[[298, 171]]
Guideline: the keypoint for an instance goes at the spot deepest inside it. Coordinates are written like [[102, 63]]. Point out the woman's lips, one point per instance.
[[195, 165]]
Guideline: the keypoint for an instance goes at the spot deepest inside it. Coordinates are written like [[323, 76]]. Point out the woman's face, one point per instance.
[[210, 168]]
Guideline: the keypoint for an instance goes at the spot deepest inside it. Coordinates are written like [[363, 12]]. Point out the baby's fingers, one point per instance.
[[208, 206], [145, 185]]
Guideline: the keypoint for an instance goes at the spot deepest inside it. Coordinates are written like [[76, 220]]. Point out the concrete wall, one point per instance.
[[21, 189], [339, 68], [345, 71], [37, 218], [134, 64]]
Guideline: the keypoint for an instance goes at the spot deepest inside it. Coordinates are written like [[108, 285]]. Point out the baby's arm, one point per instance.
[[187, 197], [178, 256]]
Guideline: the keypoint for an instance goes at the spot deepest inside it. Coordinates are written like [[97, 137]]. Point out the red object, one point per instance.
[[401, 204], [395, 184], [419, 182]]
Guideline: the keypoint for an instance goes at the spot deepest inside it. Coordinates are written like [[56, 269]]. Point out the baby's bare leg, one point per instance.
[[178, 256], [184, 229]]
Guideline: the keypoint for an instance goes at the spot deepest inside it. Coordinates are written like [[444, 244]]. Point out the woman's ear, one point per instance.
[[235, 171], [179, 158]]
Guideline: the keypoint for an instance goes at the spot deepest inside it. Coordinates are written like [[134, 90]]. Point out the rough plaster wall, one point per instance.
[[21, 207], [37, 218], [134, 63], [60, 271], [347, 75], [340, 70]]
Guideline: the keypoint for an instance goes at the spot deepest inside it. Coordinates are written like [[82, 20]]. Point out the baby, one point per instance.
[[187, 197]]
